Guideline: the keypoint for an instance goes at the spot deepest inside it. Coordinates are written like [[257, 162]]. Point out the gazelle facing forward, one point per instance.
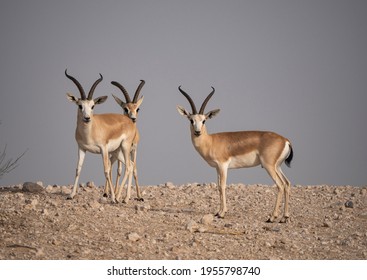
[[238, 150], [131, 109], [100, 134]]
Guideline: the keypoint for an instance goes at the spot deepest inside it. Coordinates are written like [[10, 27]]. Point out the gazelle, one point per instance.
[[100, 134], [131, 109], [238, 150]]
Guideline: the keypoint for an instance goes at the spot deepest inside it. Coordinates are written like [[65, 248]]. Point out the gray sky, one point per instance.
[[298, 68]]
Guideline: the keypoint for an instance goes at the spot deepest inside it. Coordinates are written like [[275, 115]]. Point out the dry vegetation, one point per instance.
[[176, 222]]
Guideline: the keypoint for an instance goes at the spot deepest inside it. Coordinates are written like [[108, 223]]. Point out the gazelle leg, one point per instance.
[[287, 190], [135, 172], [118, 175], [107, 172], [81, 156], [278, 181], [222, 179], [129, 182], [126, 155], [106, 190]]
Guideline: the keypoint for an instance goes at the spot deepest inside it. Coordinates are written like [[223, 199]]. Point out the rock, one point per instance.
[[31, 203], [142, 208], [192, 226], [94, 204], [169, 185], [327, 224], [207, 219], [49, 189], [32, 187], [133, 236], [202, 229], [349, 204], [65, 190], [91, 184]]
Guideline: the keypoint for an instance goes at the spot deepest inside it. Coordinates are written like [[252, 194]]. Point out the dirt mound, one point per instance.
[[176, 222]]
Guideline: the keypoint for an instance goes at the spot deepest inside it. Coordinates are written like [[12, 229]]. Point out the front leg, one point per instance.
[[128, 168], [81, 156], [135, 172], [107, 169], [222, 180], [106, 190]]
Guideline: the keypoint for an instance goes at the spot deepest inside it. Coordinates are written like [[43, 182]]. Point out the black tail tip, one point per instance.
[[288, 160]]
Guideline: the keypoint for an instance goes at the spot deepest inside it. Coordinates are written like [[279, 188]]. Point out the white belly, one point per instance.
[[112, 145], [247, 160]]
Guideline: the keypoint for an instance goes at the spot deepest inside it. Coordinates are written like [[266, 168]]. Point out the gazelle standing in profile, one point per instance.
[[238, 150], [131, 109], [100, 134]]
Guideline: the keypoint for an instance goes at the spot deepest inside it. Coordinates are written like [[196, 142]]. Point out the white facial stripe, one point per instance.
[[197, 122], [87, 108]]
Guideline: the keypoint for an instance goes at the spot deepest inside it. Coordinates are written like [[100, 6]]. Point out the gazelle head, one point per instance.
[[85, 104], [131, 108], [197, 120]]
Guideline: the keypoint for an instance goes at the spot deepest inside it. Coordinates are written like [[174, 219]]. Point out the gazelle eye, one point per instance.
[[203, 121], [192, 122], [80, 107], [137, 110], [126, 110], [92, 107]]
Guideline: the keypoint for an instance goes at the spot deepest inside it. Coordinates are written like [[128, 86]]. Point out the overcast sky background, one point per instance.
[[298, 68]]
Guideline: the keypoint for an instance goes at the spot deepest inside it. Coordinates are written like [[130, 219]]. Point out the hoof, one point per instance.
[[69, 197], [285, 220], [270, 220], [139, 199], [105, 195], [220, 216]]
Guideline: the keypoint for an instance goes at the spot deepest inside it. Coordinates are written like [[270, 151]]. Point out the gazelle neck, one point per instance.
[[84, 129], [201, 142]]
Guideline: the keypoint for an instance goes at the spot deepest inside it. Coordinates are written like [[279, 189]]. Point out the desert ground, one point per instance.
[[177, 222]]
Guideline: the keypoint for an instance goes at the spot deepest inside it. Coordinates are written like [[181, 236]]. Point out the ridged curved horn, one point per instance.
[[124, 91], [78, 85], [193, 107], [90, 95], [202, 108], [136, 95]]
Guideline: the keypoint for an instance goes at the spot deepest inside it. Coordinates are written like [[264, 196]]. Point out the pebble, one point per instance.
[[32, 187], [133, 236], [94, 204], [170, 185], [192, 226], [207, 219], [349, 204]]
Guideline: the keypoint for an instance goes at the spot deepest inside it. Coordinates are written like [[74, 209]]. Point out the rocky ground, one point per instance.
[[176, 222]]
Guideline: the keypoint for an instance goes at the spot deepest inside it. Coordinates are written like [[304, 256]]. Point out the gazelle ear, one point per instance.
[[119, 101], [212, 114], [72, 98], [181, 110], [100, 100], [138, 103]]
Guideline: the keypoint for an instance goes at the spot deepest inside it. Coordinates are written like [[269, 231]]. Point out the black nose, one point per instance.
[[133, 119]]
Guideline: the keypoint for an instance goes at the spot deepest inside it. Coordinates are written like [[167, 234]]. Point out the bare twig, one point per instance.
[[8, 165]]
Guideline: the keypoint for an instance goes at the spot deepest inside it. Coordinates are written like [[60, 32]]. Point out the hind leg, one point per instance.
[[278, 181], [135, 173], [287, 189]]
